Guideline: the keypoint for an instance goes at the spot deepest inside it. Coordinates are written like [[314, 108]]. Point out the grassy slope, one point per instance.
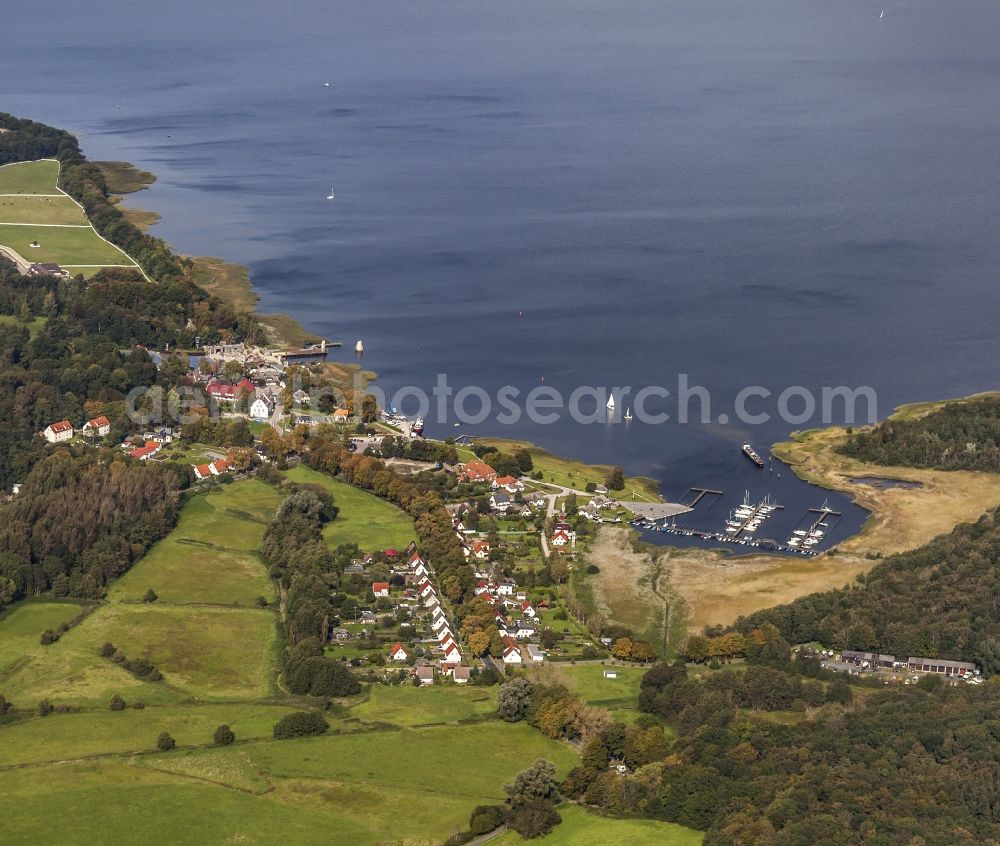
[[364, 519], [581, 828], [575, 474], [63, 246], [29, 178], [41, 210], [210, 556]]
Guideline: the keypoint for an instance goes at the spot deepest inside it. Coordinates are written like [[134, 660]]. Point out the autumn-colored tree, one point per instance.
[[696, 649], [622, 649], [558, 568], [478, 643]]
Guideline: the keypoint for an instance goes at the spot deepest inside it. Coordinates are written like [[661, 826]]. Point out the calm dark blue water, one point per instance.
[[785, 192]]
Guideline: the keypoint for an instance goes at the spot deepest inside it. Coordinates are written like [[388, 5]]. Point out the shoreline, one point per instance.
[[228, 281]]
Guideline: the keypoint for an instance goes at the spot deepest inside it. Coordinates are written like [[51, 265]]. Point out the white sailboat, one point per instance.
[[628, 413], [611, 403], [331, 195]]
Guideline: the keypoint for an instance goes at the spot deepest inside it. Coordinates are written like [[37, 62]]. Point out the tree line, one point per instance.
[[961, 435]]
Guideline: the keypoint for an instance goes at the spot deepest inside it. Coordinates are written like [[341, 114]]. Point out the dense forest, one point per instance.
[[917, 766], [957, 436], [937, 601], [80, 521]]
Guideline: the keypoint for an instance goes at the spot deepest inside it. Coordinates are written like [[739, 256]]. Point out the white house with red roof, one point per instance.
[[481, 549], [56, 433], [425, 590], [380, 588], [511, 651], [397, 653], [452, 654], [528, 610], [99, 426], [146, 452], [509, 484], [560, 538]]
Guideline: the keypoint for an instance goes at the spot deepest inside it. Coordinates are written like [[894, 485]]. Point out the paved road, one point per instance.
[[275, 420]]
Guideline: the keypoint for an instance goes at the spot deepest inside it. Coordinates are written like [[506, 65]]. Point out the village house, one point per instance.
[[481, 549], [380, 588], [213, 468], [397, 653], [537, 499], [56, 433], [560, 539], [509, 484], [340, 634], [511, 651], [452, 654], [341, 415], [300, 397], [261, 407], [500, 502], [506, 587], [425, 590], [144, 453], [222, 391], [99, 426], [535, 653], [528, 610], [425, 674], [461, 674], [524, 630], [476, 471]]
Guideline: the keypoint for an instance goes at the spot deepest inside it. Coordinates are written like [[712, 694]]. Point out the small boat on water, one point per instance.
[[628, 414], [750, 453], [331, 195], [611, 403]]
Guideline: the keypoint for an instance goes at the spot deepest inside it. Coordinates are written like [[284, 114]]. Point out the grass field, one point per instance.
[[29, 177], [40, 210], [579, 827], [406, 706], [405, 785], [101, 732], [21, 627], [619, 695], [57, 242], [364, 519], [60, 245], [210, 556]]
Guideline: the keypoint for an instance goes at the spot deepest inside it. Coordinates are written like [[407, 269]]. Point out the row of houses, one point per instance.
[[445, 642], [503, 595]]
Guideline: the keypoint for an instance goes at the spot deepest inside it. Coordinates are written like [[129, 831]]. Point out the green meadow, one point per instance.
[[618, 695], [41, 210], [211, 556], [364, 519], [30, 177], [66, 246], [579, 827]]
